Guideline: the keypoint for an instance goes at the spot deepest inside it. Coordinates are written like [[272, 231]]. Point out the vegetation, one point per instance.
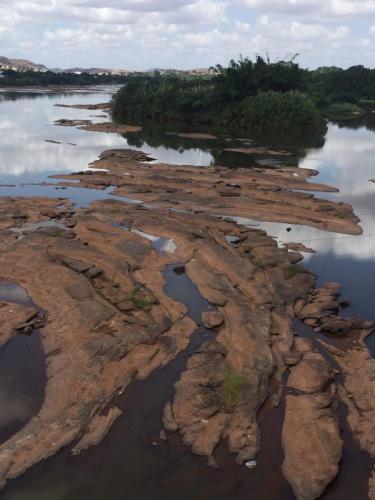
[[260, 95], [344, 111], [367, 103], [231, 388], [140, 299], [10, 78], [280, 110]]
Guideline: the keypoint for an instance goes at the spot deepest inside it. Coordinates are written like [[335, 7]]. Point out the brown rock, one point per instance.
[[312, 444], [311, 375], [212, 319]]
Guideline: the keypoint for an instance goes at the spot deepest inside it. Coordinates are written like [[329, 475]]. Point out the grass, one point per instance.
[[231, 388], [140, 300], [344, 111], [367, 103]]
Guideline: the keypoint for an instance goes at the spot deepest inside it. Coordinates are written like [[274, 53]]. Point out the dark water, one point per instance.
[[133, 462], [22, 371]]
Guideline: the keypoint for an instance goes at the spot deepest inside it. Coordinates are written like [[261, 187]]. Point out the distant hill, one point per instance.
[[21, 65], [26, 65]]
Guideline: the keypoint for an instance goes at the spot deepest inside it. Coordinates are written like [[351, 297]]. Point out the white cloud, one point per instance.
[[181, 33]]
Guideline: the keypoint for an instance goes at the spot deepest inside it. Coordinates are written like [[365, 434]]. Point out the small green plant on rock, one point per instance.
[[231, 389], [140, 300]]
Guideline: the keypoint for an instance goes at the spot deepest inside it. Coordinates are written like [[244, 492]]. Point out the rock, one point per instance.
[[97, 430], [311, 375], [295, 257], [179, 270], [311, 436], [212, 319], [312, 445], [317, 310], [77, 265], [345, 303], [17, 318], [292, 359], [168, 419], [298, 247], [335, 324], [79, 290], [163, 435], [299, 305], [251, 464]]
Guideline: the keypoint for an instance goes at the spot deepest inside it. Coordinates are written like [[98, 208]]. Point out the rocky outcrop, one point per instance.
[[311, 438], [321, 311], [17, 318], [257, 193]]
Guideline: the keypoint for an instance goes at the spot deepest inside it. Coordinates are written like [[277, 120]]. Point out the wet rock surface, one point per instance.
[[258, 193]]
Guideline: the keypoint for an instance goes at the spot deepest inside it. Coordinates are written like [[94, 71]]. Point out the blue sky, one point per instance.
[[139, 34]]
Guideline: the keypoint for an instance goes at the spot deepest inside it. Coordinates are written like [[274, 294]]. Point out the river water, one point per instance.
[[128, 464]]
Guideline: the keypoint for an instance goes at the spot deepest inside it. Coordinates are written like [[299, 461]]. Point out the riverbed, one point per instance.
[[133, 460]]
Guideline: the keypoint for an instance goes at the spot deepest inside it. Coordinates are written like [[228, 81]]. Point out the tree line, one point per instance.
[[259, 94], [11, 78]]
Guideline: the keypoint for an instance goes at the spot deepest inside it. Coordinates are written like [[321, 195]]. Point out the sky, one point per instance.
[[182, 34]]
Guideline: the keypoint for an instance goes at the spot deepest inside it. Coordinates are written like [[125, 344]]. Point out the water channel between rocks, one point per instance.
[[133, 461], [22, 371]]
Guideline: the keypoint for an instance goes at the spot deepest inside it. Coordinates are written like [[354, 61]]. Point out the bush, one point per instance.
[[231, 388], [279, 111]]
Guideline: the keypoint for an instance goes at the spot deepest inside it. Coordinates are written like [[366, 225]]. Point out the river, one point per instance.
[[133, 462]]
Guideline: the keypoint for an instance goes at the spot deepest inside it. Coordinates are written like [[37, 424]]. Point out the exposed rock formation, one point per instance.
[[258, 193], [311, 438]]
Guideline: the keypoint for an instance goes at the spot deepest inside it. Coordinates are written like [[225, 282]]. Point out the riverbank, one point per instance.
[[100, 274]]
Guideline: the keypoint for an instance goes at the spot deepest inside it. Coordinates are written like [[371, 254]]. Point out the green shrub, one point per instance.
[[140, 300], [279, 111], [231, 388]]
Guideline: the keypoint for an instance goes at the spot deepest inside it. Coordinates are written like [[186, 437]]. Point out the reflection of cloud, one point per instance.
[[346, 161], [27, 123], [323, 242]]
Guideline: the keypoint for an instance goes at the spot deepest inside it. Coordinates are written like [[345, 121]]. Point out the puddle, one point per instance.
[[161, 245], [22, 371]]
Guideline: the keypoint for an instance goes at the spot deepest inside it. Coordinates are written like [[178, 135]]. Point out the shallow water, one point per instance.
[[126, 463], [22, 371]]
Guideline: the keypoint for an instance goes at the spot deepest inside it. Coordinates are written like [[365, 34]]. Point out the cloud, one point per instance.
[[181, 33]]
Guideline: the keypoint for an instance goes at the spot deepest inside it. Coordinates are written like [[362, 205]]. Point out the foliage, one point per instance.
[[338, 85], [242, 94], [12, 78], [279, 110], [367, 103], [231, 388], [140, 300]]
